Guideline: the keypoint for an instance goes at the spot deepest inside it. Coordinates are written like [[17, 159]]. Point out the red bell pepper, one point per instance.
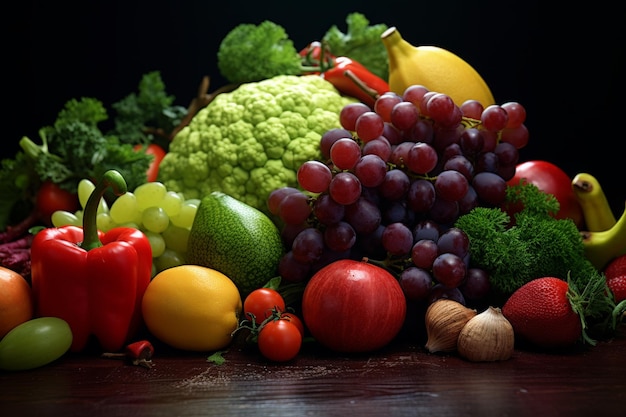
[[93, 280], [347, 75]]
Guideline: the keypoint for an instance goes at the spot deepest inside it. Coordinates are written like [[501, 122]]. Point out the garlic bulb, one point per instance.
[[487, 337], [444, 320]]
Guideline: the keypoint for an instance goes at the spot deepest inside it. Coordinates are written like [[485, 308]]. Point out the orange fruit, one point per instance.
[[16, 300], [192, 307]]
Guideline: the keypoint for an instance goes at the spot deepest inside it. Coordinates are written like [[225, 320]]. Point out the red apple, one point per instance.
[[551, 179], [353, 306]]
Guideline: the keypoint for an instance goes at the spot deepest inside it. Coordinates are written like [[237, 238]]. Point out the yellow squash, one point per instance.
[[435, 68]]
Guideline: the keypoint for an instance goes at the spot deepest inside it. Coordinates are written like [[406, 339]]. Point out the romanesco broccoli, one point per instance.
[[250, 141]]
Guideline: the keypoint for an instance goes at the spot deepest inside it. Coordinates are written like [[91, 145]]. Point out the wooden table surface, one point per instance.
[[400, 380]]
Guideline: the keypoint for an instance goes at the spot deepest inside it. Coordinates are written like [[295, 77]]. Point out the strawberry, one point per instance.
[[617, 285], [541, 313], [616, 267], [615, 273]]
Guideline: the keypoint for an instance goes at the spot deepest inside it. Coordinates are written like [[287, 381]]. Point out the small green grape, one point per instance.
[[64, 218], [125, 210], [168, 259], [155, 219], [172, 203], [187, 214], [85, 188], [156, 243], [149, 194], [104, 222], [176, 238]]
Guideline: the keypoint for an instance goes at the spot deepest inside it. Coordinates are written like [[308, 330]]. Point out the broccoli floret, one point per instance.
[[75, 148], [361, 42], [252, 52], [536, 245]]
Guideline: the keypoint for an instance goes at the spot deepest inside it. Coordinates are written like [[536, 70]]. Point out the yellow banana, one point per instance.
[[593, 202], [435, 68], [601, 247]]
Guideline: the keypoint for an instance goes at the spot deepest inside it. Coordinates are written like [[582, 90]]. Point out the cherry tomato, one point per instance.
[[159, 153], [295, 320], [50, 198], [261, 302], [279, 340]]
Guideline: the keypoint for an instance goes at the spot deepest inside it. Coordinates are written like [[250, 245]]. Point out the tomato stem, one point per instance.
[[255, 328]]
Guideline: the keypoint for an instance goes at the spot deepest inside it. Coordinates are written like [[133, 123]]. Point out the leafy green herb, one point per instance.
[[361, 42], [87, 110], [596, 309], [17, 184], [251, 52], [536, 245], [75, 147], [149, 115], [217, 357]]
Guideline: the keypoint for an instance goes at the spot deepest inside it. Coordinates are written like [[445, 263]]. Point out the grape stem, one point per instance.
[[394, 265]]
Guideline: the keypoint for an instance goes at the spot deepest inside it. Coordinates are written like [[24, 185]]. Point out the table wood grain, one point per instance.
[[401, 380]]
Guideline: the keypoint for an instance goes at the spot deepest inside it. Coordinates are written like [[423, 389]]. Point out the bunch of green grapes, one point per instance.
[[165, 217]]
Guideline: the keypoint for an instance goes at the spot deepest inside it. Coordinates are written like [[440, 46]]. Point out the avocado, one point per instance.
[[236, 239]]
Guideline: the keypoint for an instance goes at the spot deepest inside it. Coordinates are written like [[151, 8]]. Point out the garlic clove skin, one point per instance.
[[487, 337], [444, 320]]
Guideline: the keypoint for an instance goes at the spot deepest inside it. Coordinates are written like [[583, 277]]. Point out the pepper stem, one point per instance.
[[113, 179]]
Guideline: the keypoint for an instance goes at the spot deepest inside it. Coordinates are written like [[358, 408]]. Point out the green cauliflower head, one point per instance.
[[250, 141]]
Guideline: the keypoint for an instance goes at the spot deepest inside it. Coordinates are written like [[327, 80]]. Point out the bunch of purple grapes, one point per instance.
[[393, 181]]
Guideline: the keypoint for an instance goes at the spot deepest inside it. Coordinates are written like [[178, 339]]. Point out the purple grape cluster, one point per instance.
[[393, 181]]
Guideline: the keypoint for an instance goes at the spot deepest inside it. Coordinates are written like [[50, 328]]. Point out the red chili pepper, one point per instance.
[[93, 280], [137, 353], [315, 57], [352, 78], [347, 75]]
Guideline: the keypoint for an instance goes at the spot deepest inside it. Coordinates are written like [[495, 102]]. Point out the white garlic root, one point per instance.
[[444, 320], [487, 337]]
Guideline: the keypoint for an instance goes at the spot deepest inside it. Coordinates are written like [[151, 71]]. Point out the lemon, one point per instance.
[[435, 68], [192, 307]]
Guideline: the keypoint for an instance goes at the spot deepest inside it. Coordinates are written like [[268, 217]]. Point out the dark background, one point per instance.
[[565, 66]]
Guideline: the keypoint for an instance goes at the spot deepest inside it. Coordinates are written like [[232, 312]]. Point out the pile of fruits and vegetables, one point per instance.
[[350, 193]]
